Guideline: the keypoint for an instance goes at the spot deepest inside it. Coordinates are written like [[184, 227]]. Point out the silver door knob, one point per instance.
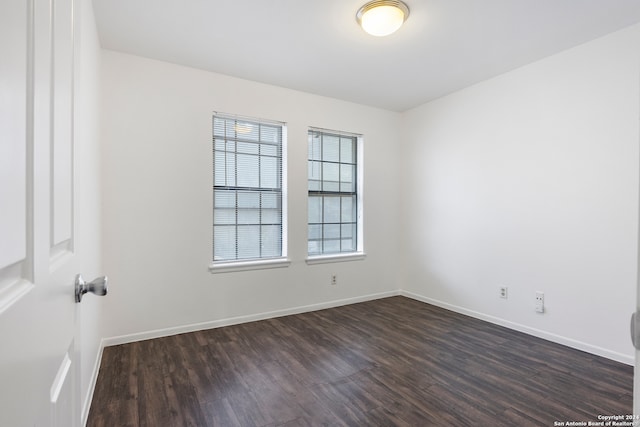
[[96, 286]]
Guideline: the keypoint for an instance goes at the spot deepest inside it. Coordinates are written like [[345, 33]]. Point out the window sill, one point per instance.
[[262, 264], [324, 259]]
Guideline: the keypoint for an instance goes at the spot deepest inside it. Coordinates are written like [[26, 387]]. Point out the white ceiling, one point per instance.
[[316, 46]]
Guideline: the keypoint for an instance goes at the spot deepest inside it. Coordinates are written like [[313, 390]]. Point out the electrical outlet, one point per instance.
[[539, 302], [504, 292], [334, 279]]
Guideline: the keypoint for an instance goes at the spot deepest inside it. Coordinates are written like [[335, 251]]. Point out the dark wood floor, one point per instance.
[[393, 361]]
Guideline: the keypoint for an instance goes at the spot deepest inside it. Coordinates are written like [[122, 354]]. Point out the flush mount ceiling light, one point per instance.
[[382, 17]]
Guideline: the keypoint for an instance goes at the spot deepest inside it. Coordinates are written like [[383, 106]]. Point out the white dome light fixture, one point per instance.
[[382, 17]]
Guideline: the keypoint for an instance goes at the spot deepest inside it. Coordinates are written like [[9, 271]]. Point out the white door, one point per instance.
[[39, 319], [636, 383], [635, 329]]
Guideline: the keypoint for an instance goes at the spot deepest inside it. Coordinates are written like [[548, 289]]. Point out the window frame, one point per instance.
[[243, 264], [358, 253]]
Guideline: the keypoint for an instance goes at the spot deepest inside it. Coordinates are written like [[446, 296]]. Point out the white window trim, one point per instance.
[[359, 253], [262, 263], [360, 188], [248, 265], [343, 257]]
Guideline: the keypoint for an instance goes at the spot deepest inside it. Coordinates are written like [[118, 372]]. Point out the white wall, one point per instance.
[[530, 180], [157, 211]]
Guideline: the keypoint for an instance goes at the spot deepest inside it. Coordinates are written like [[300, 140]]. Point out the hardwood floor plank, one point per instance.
[[219, 413], [389, 362]]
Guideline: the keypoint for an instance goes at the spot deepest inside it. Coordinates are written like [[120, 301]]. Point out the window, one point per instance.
[[334, 222], [248, 213]]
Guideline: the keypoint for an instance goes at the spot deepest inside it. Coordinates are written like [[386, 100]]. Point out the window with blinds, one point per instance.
[[333, 186], [247, 191]]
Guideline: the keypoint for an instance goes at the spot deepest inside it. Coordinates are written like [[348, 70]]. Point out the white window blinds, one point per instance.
[[247, 191]]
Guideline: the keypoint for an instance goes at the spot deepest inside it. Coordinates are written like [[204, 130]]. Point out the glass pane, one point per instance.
[[330, 148], [347, 181], [331, 209], [220, 169], [271, 216], [247, 148], [224, 199], [330, 176], [248, 241], [331, 231], [248, 216], [348, 211], [315, 232], [220, 144], [314, 146], [229, 128], [314, 242], [270, 200], [347, 230], [269, 150], [347, 245], [271, 241], [230, 170], [224, 216], [271, 208], [269, 172], [347, 146], [331, 246], [247, 171], [315, 209], [248, 199], [218, 126], [224, 241], [248, 207], [315, 176], [270, 133], [314, 247]]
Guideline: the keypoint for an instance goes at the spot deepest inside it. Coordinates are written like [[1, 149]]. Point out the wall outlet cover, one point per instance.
[[539, 302]]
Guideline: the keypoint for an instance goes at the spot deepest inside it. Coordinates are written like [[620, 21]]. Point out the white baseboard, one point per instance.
[[159, 333], [569, 342]]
